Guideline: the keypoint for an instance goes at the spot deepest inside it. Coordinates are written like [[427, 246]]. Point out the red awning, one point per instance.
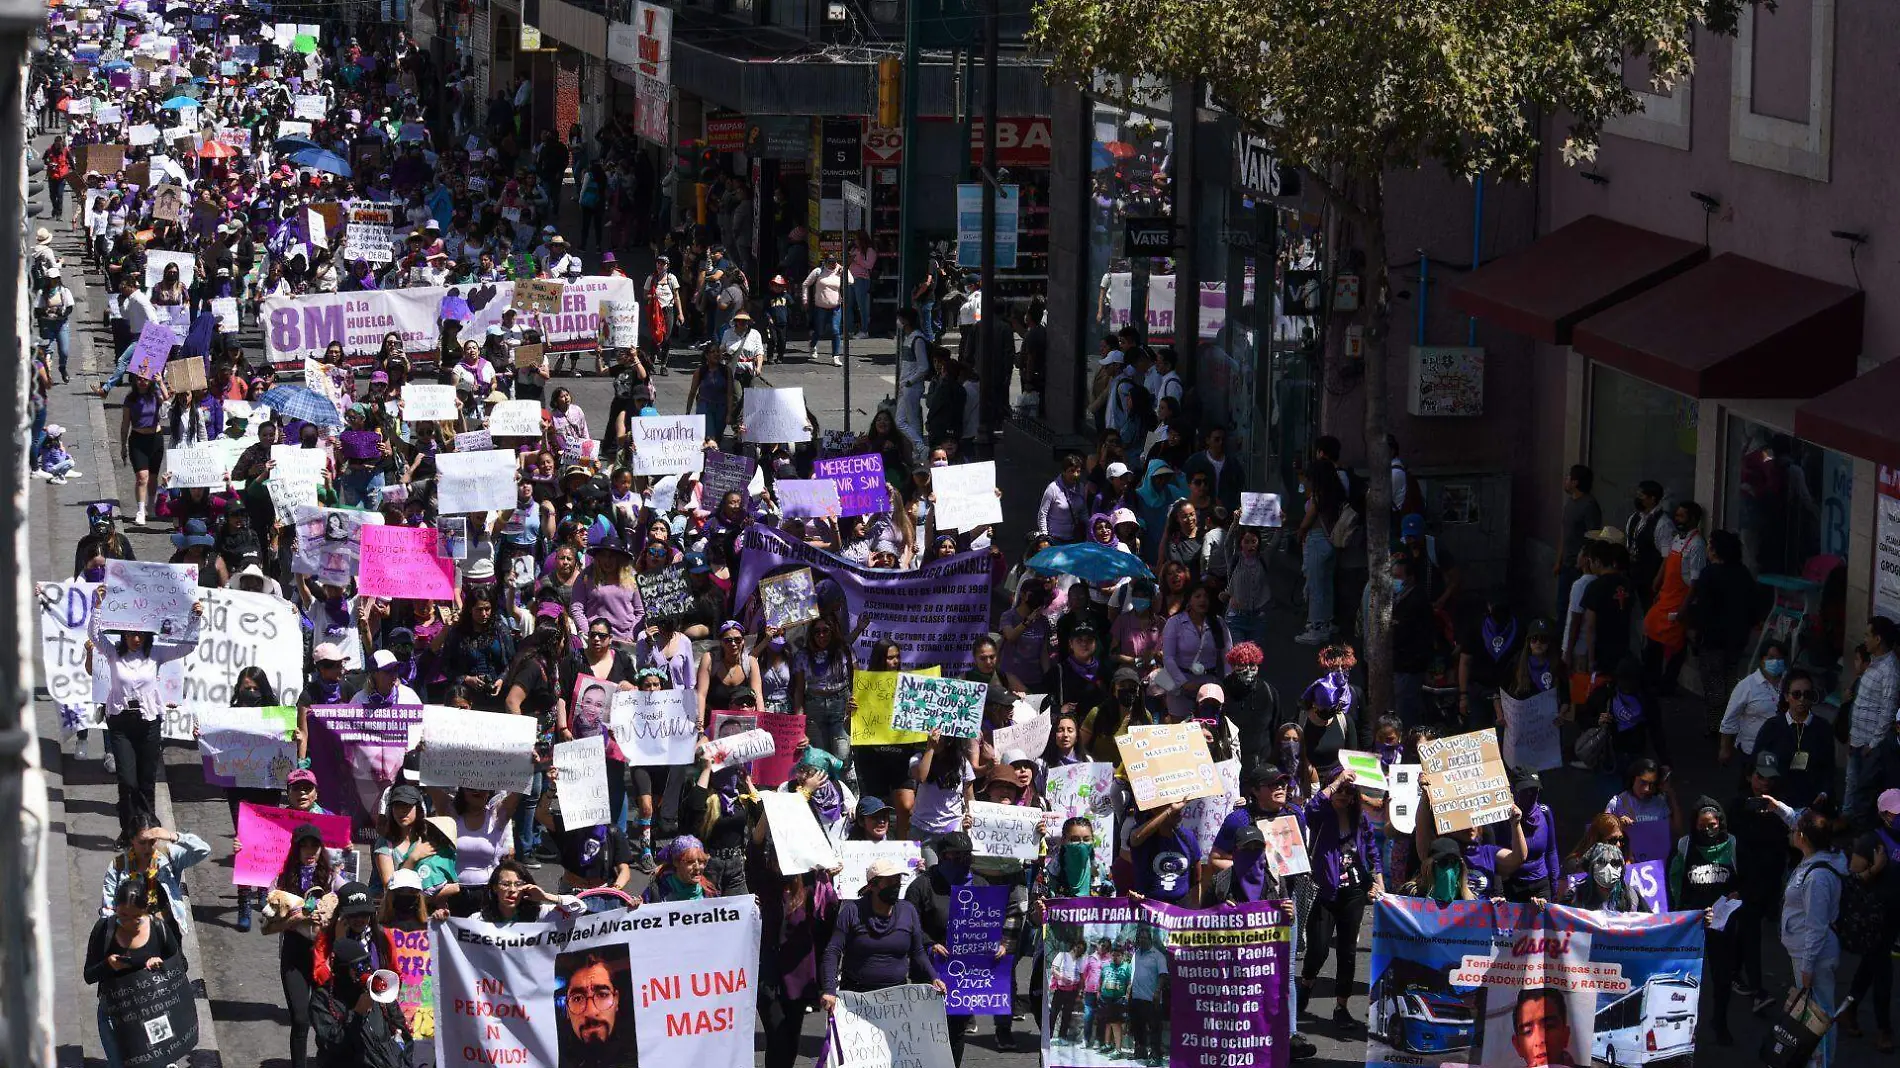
[[1733, 327], [1857, 418], [1547, 287]]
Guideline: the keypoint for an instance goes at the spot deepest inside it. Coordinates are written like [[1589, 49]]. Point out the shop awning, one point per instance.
[[1546, 288], [1733, 327], [1857, 418]]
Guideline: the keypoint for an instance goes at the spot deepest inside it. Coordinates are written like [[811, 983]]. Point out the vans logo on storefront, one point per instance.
[[1148, 236], [1255, 170]]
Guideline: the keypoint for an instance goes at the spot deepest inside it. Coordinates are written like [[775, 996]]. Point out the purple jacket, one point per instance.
[[1341, 861], [1182, 646]]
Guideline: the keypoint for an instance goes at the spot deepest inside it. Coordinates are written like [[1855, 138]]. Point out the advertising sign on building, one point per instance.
[[1887, 545], [653, 70], [970, 225]]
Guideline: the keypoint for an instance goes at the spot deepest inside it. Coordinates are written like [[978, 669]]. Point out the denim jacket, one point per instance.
[[173, 859]]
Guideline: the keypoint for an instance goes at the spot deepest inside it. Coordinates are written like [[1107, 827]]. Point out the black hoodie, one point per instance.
[[1761, 850], [1703, 872]]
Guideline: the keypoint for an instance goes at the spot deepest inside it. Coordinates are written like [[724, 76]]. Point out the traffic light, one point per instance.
[[890, 93]]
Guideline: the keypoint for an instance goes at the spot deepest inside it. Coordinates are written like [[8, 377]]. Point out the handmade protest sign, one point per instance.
[[148, 597], [1531, 740], [1029, 735], [1465, 780], [515, 419], [744, 747], [225, 311], [475, 481], [1600, 982], [480, 750], [329, 542], [1286, 848], [775, 415], [976, 978], [451, 537], [1084, 790], [669, 984], [856, 858], [360, 750], [664, 592], [656, 728], [797, 840], [1166, 763], [667, 444], [417, 994], [530, 356], [966, 495], [266, 833], [788, 598], [807, 498], [896, 1027], [428, 402], [201, 465], [862, 489], [168, 202], [156, 261], [539, 295], [1203, 816], [787, 730], [152, 1012], [620, 324], [474, 441], [1261, 510], [581, 781], [876, 695], [186, 374], [925, 703], [1227, 997], [724, 472], [404, 562], [154, 347], [1013, 831], [1401, 801], [311, 106], [1367, 772], [248, 748]]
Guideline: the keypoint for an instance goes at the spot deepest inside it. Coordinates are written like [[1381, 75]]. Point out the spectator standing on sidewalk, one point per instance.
[[824, 299], [863, 269]]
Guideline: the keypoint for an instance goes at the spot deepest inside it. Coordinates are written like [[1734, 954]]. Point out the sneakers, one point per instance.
[[61, 480], [138, 520], [44, 476], [644, 862], [1314, 634], [112, 764], [837, 360], [1301, 1048]]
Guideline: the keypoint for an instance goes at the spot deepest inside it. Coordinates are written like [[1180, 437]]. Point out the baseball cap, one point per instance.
[[1249, 835], [404, 879], [1889, 802], [1117, 469], [1262, 775], [327, 652], [306, 830], [1412, 526], [1767, 765], [1017, 756], [1114, 358], [383, 660], [871, 806], [1210, 691], [955, 842], [884, 868], [353, 899], [301, 775], [404, 794]]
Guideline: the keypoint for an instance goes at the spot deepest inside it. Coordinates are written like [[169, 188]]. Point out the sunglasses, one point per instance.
[[1800, 695], [599, 635]]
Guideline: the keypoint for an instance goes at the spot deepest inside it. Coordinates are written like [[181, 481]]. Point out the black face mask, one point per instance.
[[889, 894], [1126, 698]]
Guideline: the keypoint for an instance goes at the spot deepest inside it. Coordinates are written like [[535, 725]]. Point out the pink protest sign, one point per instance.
[[402, 562], [266, 831], [787, 730]]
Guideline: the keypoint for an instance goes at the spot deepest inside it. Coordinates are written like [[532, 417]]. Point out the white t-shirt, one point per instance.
[[1575, 611]]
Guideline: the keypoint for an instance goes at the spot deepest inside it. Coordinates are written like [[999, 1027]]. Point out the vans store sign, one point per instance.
[[1148, 237], [1257, 173]]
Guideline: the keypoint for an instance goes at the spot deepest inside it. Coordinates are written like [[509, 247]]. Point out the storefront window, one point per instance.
[[1790, 501], [1131, 157], [1639, 431]]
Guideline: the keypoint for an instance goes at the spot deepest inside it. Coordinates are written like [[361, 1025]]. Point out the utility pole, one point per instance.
[[992, 370], [907, 259]]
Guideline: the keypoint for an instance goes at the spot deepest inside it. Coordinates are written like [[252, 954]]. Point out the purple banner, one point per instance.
[[357, 753], [932, 613], [976, 978], [1223, 974], [861, 486]]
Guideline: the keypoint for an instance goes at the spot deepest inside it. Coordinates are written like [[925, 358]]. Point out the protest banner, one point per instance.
[[156, 598], [797, 840], [475, 481], [1086, 790], [515, 419], [248, 748], [581, 781], [403, 562], [1166, 763], [723, 472], [266, 833], [1028, 736], [185, 374], [1012, 831], [966, 495], [427, 402], [1227, 994], [1465, 780], [668, 984], [976, 977], [155, 343], [775, 415], [667, 444], [933, 612], [357, 754], [416, 996], [311, 106], [1530, 726], [1261, 510], [538, 295], [103, 159], [856, 857], [620, 324], [200, 466], [787, 730], [294, 481], [329, 542], [1459, 983], [1367, 771], [152, 1013], [479, 750], [1401, 801], [296, 327], [862, 489], [664, 592], [924, 703], [806, 498], [658, 728], [732, 748], [474, 441], [156, 261], [1286, 847], [788, 598], [876, 695], [896, 1027]]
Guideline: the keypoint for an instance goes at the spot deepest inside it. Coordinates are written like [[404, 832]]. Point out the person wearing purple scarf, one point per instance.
[[1347, 873]]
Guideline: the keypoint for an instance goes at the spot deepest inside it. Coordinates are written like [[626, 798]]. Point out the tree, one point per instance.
[[1352, 90]]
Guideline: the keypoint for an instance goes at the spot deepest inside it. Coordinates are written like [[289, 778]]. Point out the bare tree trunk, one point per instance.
[[1378, 517]]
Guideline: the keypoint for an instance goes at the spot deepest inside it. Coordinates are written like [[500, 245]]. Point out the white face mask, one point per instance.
[[1607, 873], [1245, 674]]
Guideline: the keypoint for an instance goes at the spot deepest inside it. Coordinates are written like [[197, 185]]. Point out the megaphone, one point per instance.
[[384, 985]]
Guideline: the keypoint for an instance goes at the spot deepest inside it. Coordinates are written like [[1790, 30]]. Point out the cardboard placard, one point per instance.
[[539, 295], [185, 375], [1168, 762], [1465, 780]]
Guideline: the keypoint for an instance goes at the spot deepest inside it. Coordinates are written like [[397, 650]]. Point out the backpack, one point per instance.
[[1859, 919]]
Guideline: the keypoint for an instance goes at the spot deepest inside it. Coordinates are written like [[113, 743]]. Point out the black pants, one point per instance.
[[293, 966], [1745, 925], [1144, 1025], [1876, 971], [135, 744], [961, 1026], [1720, 956], [1339, 917], [782, 1020]]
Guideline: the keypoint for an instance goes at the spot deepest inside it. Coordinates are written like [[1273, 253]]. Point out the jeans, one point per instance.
[[361, 488], [135, 750], [1316, 558], [927, 319], [826, 322], [1823, 991], [1247, 626], [1566, 577], [828, 725], [910, 416], [860, 294], [527, 832], [119, 371], [106, 1041], [61, 335]]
